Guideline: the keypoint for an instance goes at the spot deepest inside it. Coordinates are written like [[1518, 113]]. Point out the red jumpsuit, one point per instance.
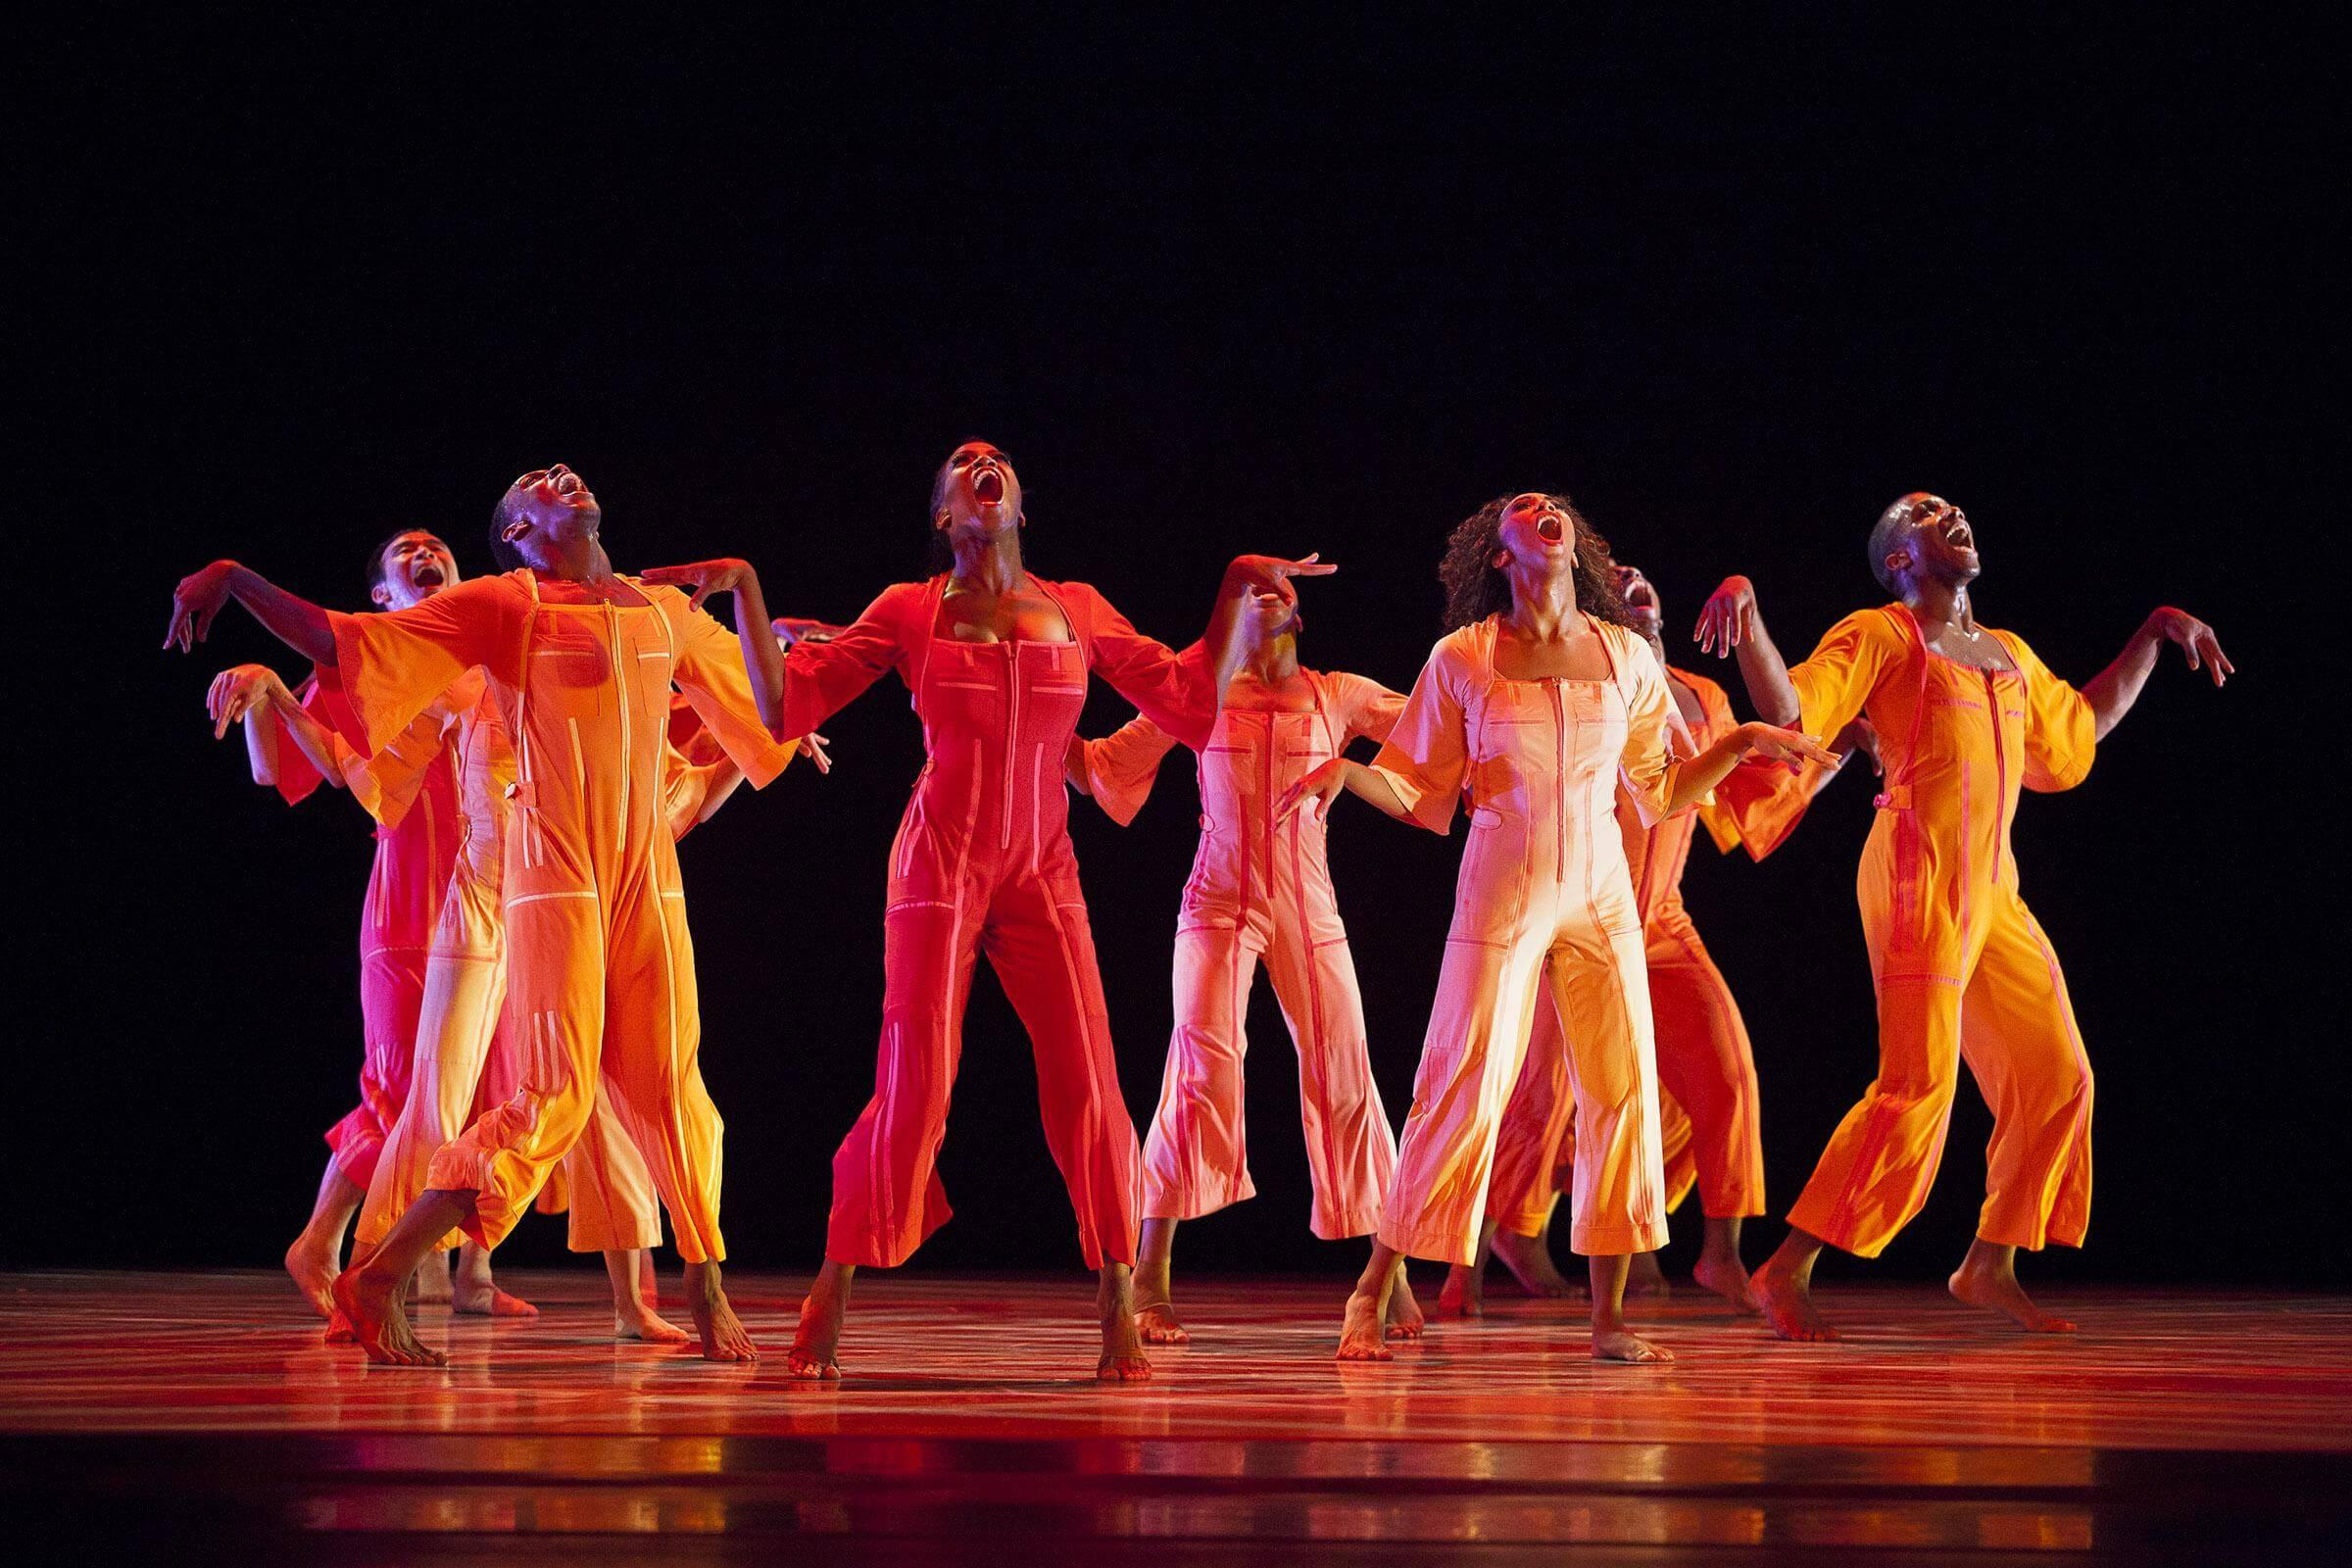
[[983, 862], [417, 835], [1260, 889], [599, 965]]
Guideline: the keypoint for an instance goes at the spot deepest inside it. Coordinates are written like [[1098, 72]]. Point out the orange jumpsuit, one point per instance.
[[600, 964], [983, 862], [415, 849], [1961, 967], [465, 1061], [1543, 902], [1260, 889], [1706, 1072]]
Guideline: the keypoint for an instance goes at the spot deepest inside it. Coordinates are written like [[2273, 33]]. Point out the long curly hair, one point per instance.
[[1475, 588]]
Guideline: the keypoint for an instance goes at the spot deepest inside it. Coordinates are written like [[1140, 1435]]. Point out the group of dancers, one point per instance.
[[531, 745]]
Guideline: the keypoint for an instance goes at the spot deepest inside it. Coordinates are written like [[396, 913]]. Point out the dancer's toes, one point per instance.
[[1625, 1346], [1123, 1366], [1361, 1332], [1727, 1278], [1787, 1303], [724, 1336], [811, 1365], [1997, 1291], [372, 1310], [644, 1323], [1156, 1324], [1406, 1320], [314, 1276]]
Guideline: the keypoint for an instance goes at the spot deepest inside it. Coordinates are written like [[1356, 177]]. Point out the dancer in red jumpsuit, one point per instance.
[[998, 662]]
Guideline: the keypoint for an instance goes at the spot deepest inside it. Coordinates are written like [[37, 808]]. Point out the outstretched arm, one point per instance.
[[762, 654], [295, 621], [2112, 692], [1255, 596], [1693, 779], [1357, 778], [1730, 622], [253, 695]]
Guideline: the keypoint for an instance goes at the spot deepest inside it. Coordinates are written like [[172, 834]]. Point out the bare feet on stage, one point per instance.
[[1123, 1359], [1528, 1258], [368, 1305], [724, 1336], [1719, 1268], [430, 1285], [1644, 1278], [1404, 1319], [1464, 1293], [1784, 1291], [1364, 1327], [314, 1276], [814, 1355], [1988, 1278], [631, 1271], [472, 1291], [1155, 1317], [1612, 1339]]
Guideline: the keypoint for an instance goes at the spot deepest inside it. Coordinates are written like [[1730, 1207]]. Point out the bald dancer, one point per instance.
[[1967, 717]]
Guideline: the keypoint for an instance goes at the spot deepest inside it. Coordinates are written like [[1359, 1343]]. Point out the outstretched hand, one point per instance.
[[1727, 618], [1265, 580], [237, 691], [195, 602], [701, 578], [1319, 786], [814, 746], [1778, 745], [2198, 645], [790, 629]]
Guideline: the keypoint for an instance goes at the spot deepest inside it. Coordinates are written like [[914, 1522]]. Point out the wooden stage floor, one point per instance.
[[201, 1412]]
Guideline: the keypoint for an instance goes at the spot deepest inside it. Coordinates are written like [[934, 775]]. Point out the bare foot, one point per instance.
[[1727, 1278], [640, 1322], [371, 1308], [1464, 1295], [1405, 1321], [724, 1336], [1644, 1277], [1157, 1324], [314, 1276], [484, 1300], [1623, 1345], [1530, 1261], [1360, 1337], [430, 1286], [1123, 1359], [1996, 1288], [1786, 1298], [816, 1347]]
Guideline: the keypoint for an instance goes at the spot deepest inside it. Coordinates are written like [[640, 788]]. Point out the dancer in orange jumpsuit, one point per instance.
[[1536, 704], [1966, 717], [414, 850], [600, 976], [1710, 1127], [1259, 889], [998, 662]]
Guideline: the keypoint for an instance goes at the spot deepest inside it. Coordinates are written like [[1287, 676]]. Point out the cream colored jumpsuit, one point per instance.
[[1260, 889], [1543, 900]]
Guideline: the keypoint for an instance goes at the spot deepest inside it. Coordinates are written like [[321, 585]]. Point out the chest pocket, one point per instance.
[[1599, 714], [644, 641], [1511, 715], [572, 667]]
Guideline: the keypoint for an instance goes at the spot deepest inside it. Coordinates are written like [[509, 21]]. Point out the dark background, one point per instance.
[[1734, 287]]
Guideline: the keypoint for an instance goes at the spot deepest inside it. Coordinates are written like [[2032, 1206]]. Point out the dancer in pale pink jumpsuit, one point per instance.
[[998, 662], [1711, 1127], [1537, 706], [1260, 889]]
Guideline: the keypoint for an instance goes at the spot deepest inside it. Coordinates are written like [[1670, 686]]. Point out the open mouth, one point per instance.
[[1551, 529], [427, 575], [988, 487], [1639, 595], [1960, 536]]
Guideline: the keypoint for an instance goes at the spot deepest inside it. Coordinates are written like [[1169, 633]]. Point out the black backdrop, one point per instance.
[[1733, 290]]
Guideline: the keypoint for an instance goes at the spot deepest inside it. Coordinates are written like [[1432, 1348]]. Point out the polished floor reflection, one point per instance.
[[2178, 1424]]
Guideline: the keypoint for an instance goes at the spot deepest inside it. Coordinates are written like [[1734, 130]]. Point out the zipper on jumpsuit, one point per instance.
[[1559, 786], [621, 689], [1012, 733], [2000, 772]]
